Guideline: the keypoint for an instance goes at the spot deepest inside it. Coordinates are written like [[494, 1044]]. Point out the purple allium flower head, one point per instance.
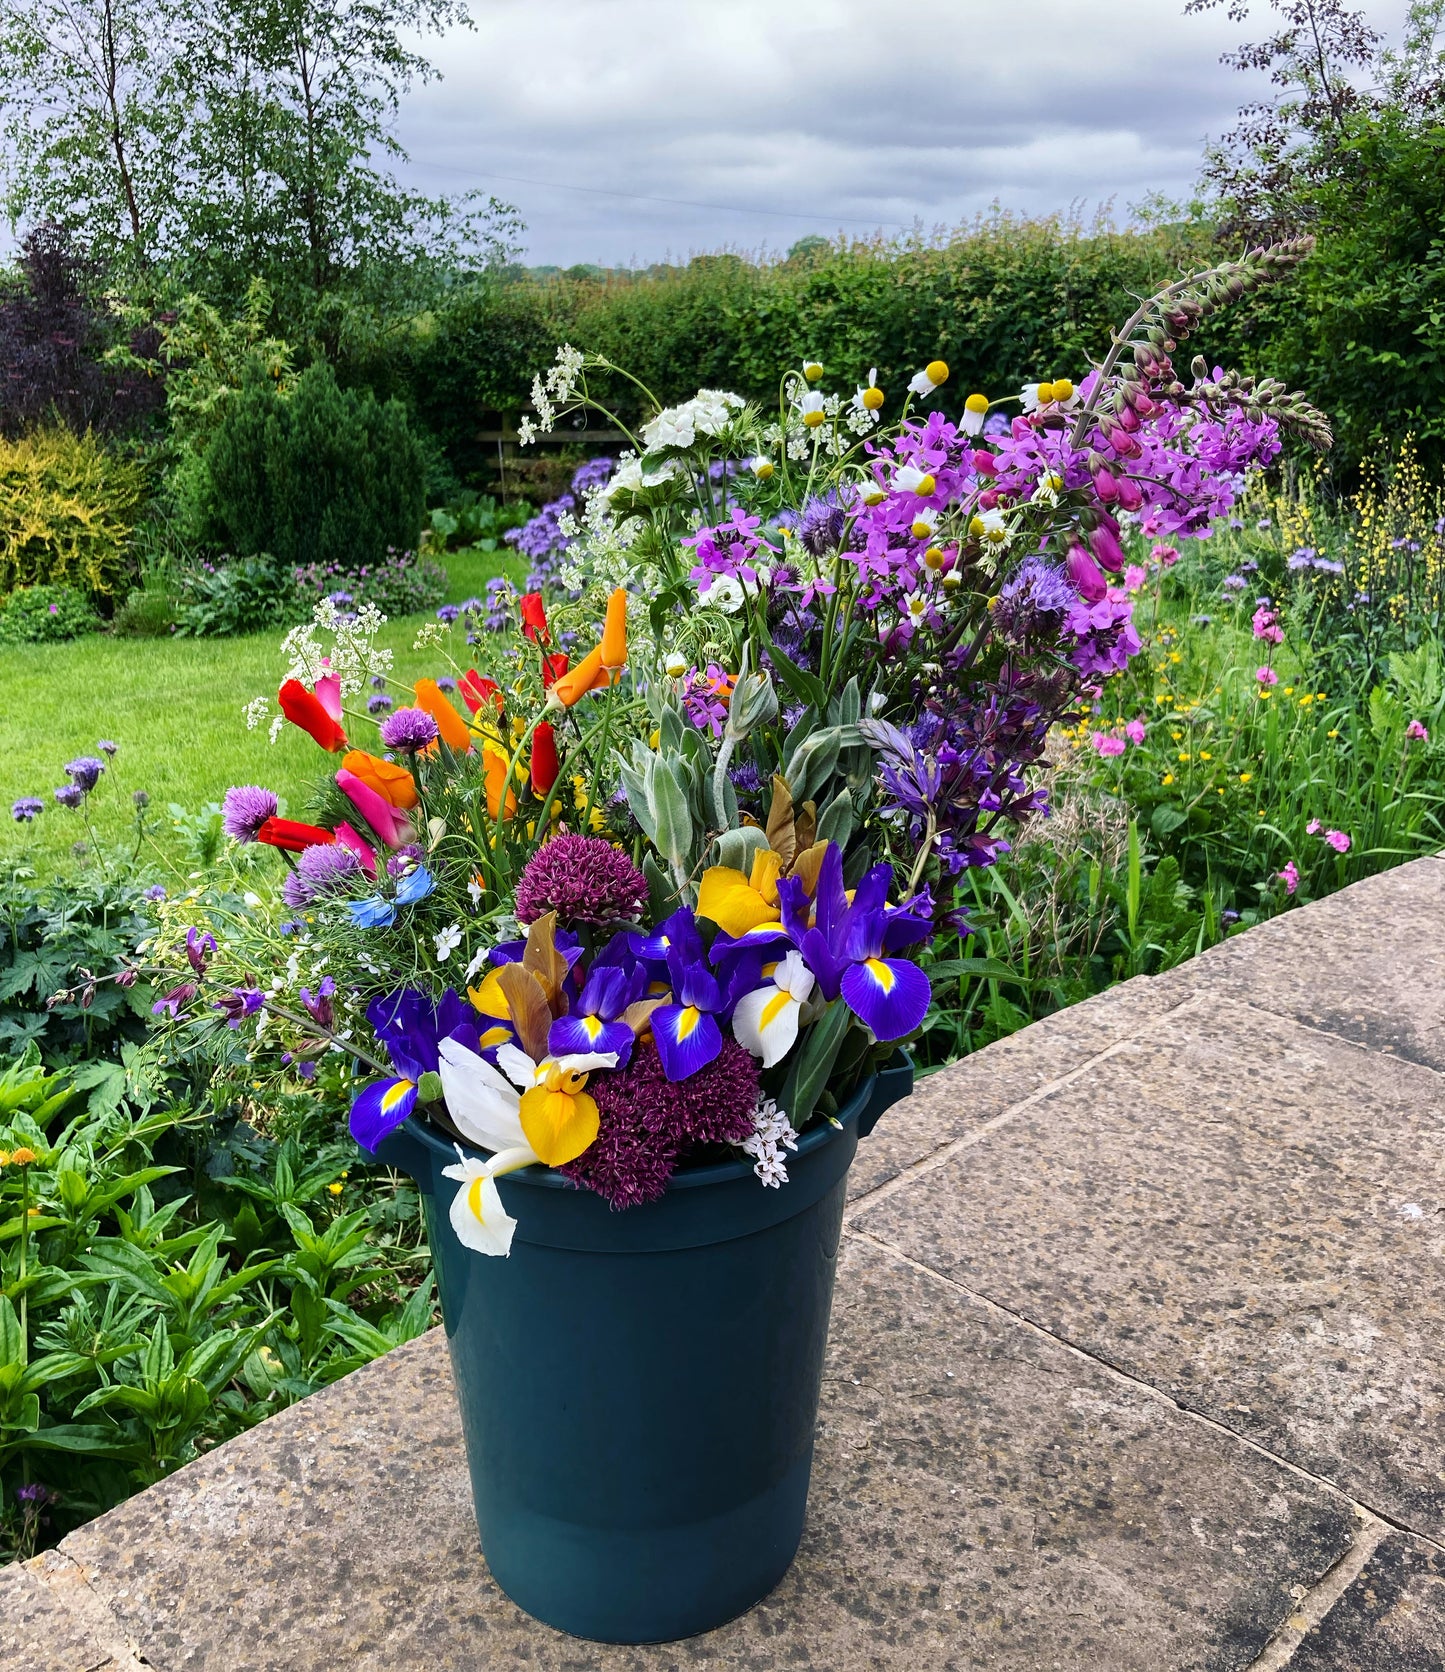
[[648, 1122], [245, 808], [85, 771], [28, 807], [327, 868], [583, 879], [70, 795], [380, 703], [408, 728], [106, 747]]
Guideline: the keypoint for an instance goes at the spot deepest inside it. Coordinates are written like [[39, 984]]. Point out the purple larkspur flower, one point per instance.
[[318, 1004], [583, 879], [70, 795], [27, 808], [84, 771], [171, 1003], [408, 728], [327, 868], [245, 808]]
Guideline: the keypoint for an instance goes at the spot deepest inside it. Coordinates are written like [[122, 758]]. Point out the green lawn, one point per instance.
[[174, 706]]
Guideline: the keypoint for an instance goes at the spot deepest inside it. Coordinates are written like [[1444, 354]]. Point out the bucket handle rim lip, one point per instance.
[[715, 1172]]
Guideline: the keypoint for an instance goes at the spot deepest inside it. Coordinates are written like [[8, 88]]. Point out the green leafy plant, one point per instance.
[[45, 615]]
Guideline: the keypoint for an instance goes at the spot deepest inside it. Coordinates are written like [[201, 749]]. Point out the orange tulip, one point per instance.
[[391, 782], [495, 761], [578, 681], [449, 723], [614, 631]]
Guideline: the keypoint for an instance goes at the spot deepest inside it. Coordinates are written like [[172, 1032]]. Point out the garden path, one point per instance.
[[1137, 1364]]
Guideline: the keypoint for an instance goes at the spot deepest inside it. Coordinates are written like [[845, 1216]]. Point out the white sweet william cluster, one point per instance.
[[709, 412], [772, 1134]]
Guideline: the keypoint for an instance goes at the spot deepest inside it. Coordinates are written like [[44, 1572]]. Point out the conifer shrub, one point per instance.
[[313, 474]]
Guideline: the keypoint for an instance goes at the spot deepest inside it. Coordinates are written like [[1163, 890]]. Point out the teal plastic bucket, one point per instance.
[[639, 1390]]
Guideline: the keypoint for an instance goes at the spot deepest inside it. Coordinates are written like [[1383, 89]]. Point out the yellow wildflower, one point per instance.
[[1167, 779], [1244, 777]]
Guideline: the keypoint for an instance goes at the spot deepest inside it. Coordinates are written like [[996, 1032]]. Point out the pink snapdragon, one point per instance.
[[1134, 577], [1266, 625], [1338, 840], [1168, 556], [1313, 828]]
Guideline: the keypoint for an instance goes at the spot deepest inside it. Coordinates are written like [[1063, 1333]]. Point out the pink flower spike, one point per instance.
[[1338, 840], [1417, 731], [389, 823], [1134, 731], [349, 837], [1266, 676], [1107, 744], [1289, 877], [1134, 577], [328, 694]]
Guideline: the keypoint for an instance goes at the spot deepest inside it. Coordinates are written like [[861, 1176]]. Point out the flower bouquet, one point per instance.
[[623, 919]]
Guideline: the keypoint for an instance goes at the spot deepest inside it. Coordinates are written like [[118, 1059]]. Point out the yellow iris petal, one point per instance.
[[881, 974], [558, 1125], [729, 900], [774, 1008], [489, 997]]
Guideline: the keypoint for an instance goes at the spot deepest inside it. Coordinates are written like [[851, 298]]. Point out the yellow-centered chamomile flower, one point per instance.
[[868, 395], [761, 467], [989, 526], [924, 523], [975, 410], [811, 410], [933, 376], [812, 370], [909, 478], [675, 666]]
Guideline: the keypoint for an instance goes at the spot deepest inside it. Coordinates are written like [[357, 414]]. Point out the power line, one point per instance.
[[678, 202]]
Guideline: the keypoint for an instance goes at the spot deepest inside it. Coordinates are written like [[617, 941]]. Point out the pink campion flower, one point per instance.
[[1338, 840], [1134, 577], [1313, 828], [1266, 625], [1134, 731], [1167, 555], [1107, 744], [1417, 731], [1266, 676], [1289, 877]]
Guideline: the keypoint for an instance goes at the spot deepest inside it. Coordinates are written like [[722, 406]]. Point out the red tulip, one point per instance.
[[544, 759], [534, 618], [312, 710], [288, 834]]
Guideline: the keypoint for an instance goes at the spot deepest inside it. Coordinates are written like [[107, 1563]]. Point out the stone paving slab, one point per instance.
[[38, 1633], [1241, 1211], [1391, 1619], [1367, 963], [983, 1498], [956, 1102]]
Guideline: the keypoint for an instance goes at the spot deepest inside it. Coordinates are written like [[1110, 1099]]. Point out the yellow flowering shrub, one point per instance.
[[67, 508]]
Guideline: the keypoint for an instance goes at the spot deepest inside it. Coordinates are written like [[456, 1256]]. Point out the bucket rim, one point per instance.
[[686, 1178]]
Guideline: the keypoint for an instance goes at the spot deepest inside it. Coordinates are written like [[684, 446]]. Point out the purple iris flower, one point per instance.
[[594, 1022], [410, 1026], [686, 1030], [847, 943]]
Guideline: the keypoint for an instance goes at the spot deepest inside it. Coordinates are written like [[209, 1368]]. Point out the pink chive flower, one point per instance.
[[1313, 828], [1134, 731], [1266, 676], [1338, 840], [1417, 731], [1289, 877], [1167, 555], [1107, 744], [1134, 577]]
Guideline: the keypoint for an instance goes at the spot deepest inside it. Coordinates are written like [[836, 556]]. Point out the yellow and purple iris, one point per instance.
[[594, 1022], [845, 943], [410, 1027]]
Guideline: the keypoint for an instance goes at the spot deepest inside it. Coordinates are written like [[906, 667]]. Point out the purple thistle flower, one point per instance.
[[85, 770], [327, 868], [28, 807], [583, 879], [245, 808], [408, 728], [70, 795]]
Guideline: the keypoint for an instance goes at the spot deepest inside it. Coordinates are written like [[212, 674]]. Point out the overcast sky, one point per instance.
[[631, 131]]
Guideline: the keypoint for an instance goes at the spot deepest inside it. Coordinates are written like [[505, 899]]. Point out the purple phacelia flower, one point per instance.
[[27, 808], [106, 747], [85, 771], [70, 795]]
